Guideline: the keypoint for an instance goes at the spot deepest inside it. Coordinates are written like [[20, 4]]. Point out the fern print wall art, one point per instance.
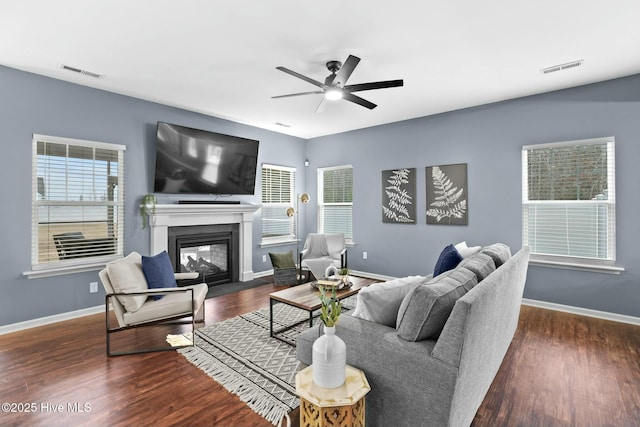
[[399, 195], [447, 194]]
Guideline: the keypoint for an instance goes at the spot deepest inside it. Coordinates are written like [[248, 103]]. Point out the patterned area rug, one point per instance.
[[240, 355]]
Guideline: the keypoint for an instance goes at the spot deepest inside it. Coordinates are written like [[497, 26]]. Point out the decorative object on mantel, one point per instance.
[[147, 208], [291, 212], [329, 357], [398, 196], [447, 194]]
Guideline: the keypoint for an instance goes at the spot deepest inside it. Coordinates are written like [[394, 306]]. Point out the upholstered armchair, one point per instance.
[[139, 300], [321, 251]]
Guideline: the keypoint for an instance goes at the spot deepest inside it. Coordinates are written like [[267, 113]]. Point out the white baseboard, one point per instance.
[[15, 327], [583, 311], [27, 324], [257, 275]]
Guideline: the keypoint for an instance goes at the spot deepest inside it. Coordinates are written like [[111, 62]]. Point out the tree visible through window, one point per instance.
[[569, 199]]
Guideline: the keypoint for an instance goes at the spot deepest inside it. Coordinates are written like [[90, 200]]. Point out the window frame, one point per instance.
[[45, 268], [321, 204], [603, 264], [279, 207]]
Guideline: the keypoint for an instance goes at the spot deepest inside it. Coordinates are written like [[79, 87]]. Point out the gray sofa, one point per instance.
[[436, 381]]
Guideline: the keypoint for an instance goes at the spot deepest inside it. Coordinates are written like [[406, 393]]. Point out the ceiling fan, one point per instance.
[[335, 87]]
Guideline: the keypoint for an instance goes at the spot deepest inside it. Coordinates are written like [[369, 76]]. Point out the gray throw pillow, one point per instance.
[[425, 310], [499, 252], [481, 264], [379, 302]]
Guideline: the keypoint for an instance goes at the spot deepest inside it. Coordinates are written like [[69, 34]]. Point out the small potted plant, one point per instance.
[[147, 208], [331, 307]]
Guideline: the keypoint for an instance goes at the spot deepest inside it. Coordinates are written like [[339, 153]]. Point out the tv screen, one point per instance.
[[194, 161]]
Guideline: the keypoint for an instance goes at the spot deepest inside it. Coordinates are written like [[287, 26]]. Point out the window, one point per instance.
[[78, 199], [278, 194], [335, 201], [568, 202]]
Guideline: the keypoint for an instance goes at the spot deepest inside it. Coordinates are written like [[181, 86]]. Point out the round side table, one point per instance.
[[332, 407]]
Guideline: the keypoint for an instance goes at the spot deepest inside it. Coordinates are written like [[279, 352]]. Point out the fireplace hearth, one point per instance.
[[210, 250]]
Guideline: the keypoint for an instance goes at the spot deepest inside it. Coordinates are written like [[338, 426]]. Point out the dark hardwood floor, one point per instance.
[[561, 370]]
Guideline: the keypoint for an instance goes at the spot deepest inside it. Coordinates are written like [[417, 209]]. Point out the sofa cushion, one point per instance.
[[282, 260], [462, 275], [425, 310], [499, 252], [481, 264], [466, 251], [449, 258], [159, 272], [125, 276], [379, 302]]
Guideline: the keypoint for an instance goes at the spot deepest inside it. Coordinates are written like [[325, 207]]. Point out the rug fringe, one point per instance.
[[237, 385]]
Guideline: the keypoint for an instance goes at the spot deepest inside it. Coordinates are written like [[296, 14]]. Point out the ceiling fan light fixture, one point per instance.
[[333, 94]]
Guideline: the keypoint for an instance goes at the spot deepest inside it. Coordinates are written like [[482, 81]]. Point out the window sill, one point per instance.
[[67, 269], [574, 265], [270, 243]]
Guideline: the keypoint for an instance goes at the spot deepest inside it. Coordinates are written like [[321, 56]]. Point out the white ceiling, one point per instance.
[[219, 57]]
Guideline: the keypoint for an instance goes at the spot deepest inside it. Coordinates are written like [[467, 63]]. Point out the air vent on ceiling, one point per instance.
[[282, 124], [79, 71], [561, 67]]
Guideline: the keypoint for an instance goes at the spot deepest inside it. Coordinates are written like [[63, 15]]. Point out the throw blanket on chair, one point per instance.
[[316, 255]]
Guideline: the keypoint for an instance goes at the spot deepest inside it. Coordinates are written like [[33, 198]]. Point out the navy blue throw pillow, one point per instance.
[[448, 260], [158, 271]]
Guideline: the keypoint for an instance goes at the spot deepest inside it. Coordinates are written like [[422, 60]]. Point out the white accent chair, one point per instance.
[[322, 250], [131, 299]]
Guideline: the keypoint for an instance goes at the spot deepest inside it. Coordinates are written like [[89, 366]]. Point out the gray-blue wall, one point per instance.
[[34, 104], [489, 139]]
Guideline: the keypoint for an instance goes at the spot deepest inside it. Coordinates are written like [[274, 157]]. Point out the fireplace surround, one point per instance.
[[182, 215], [211, 250]]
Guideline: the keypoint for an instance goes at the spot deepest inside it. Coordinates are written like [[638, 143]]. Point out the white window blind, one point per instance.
[[78, 202], [278, 194], [568, 200], [335, 201]]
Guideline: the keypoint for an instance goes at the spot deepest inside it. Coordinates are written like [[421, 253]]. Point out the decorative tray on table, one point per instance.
[[329, 283]]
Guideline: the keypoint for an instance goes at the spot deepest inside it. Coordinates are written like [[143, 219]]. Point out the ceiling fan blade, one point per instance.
[[300, 76], [357, 100], [298, 94], [374, 85], [322, 105], [345, 71]]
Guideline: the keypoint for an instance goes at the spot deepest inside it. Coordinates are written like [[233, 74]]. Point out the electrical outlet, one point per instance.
[[364, 255], [93, 287], [264, 258]]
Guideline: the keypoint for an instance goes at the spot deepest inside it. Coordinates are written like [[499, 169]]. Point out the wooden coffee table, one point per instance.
[[306, 297]]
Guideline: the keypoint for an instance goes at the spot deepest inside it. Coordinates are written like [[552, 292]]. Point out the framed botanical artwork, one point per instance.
[[447, 194], [398, 196]]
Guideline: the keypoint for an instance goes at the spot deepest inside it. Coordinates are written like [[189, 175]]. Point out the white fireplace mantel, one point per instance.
[[177, 215]]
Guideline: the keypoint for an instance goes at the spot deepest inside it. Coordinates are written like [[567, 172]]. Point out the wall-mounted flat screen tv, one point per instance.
[[194, 161]]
